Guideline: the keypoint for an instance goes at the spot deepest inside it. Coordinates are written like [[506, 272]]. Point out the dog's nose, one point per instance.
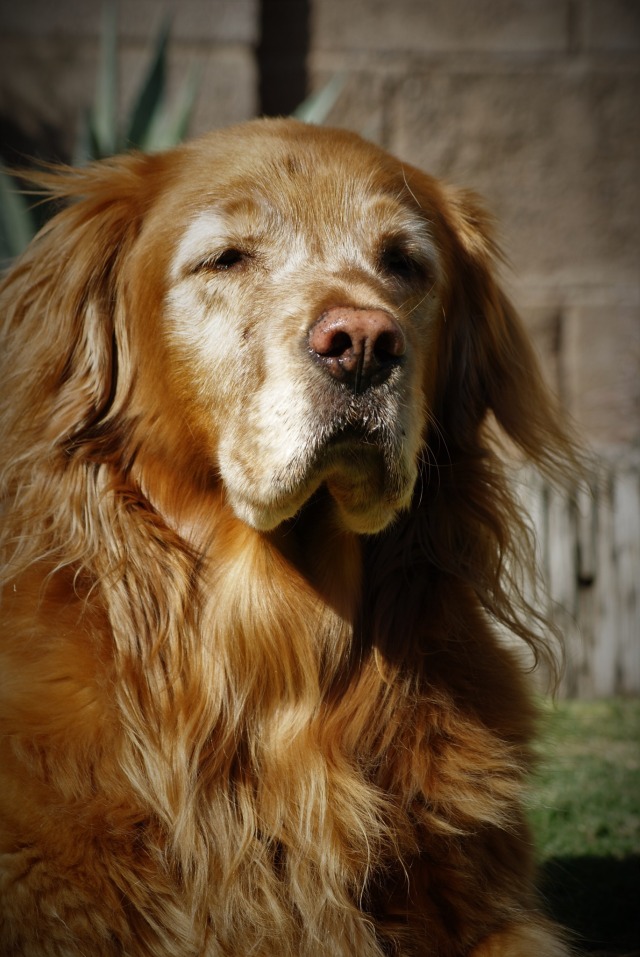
[[359, 347]]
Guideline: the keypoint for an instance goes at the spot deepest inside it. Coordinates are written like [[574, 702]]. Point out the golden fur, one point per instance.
[[253, 699]]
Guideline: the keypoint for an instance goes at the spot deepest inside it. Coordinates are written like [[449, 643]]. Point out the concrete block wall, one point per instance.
[[533, 103]]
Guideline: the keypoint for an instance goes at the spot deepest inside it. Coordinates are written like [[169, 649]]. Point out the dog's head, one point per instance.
[[299, 315], [273, 310]]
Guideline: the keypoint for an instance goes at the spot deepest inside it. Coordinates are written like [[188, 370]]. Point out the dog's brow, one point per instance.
[[204, 230], [220, 224]]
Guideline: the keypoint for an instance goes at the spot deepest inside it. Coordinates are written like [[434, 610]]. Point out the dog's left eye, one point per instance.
[[221, 262], [401, 264]]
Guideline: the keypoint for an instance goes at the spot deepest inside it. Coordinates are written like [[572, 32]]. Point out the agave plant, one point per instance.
[[317, 106], [154, 123]]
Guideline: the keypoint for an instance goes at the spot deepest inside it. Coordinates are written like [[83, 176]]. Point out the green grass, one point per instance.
[[585, 813], [587, 798]]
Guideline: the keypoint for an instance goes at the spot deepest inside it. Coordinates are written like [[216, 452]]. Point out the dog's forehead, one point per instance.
[[302, 172], [291, 150]]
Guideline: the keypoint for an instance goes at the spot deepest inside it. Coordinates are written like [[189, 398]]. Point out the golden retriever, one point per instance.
[[259, 554]]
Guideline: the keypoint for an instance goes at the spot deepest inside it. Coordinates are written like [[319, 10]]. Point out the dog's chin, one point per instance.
[[364, 517], [367, 493]]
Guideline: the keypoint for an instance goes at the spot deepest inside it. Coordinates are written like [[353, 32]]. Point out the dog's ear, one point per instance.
[[487, 363], [60, 301]]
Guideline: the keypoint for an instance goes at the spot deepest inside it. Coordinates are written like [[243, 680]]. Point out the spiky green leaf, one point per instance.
[[150, 98], [316, 108], [103, 117], [172, 123], [17, 224]]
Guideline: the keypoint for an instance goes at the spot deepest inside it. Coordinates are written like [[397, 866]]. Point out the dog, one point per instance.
[[260, 552]]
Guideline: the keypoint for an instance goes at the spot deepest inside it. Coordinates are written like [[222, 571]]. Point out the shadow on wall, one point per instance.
[[282, 55]]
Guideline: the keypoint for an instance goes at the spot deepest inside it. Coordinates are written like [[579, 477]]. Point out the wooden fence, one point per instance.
[[589, 550]]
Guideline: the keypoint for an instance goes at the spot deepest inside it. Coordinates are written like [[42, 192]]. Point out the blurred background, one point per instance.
[[533, 103]]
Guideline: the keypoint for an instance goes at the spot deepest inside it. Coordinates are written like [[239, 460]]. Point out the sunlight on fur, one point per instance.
[[258, 551]]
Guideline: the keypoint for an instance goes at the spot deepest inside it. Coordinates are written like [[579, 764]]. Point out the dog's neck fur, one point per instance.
[[249, 715], [263, 607], [269, 607]]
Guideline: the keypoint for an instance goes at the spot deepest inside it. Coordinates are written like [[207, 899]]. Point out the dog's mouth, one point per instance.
[[360, 419], [354, 436], [363, 452], [364, 467], [357, 434]]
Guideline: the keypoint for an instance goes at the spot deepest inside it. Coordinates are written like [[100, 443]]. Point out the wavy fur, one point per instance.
[[221, 740]]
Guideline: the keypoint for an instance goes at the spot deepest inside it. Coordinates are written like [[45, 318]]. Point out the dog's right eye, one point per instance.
[[223, 261]]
